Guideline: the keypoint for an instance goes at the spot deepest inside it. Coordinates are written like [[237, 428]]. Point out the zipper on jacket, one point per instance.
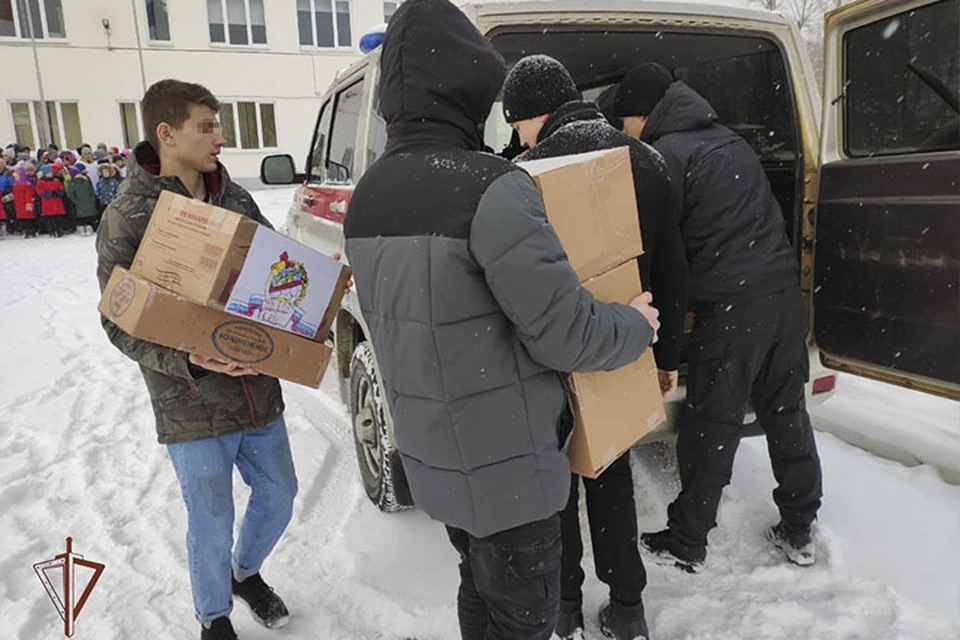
[[250, 408]]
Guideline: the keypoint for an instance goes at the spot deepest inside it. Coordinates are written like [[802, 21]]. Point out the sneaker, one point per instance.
[[219, 629], [671, 552], [621, 622], [266, 606], [795, 542], [570, 622]]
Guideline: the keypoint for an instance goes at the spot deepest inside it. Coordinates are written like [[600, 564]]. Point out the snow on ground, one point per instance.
[[78, 457]]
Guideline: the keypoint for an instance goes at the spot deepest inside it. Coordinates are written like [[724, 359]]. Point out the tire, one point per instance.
[[378, 459]]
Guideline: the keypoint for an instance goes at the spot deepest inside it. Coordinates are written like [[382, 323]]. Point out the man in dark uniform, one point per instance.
[[748, 342], [543, 105]]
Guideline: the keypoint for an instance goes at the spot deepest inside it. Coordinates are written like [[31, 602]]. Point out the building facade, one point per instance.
[[75, 70]]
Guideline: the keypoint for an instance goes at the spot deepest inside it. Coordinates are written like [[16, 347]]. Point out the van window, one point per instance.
[[903, 83], [343, 138], [377, 134], [320, 139]]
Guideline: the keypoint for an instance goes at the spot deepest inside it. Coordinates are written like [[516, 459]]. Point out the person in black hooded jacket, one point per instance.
[[542, 103], [748, 341], [474, 312]]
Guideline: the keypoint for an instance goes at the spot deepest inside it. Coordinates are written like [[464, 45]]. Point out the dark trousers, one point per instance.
[[509, 582], [612, 513], [29, 227], [55, 225], [740, 353]]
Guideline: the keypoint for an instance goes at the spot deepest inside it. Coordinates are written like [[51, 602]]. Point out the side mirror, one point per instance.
[[279, 169]]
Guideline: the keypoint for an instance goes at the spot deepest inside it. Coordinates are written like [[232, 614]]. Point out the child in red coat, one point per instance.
[[53, 209], [25, 201]]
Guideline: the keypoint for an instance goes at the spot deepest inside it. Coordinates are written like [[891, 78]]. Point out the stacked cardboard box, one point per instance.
[[591, 202], [214, 283]]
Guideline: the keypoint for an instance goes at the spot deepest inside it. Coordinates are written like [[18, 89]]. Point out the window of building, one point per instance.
[[131, 123], [237, 21], [390, 8], [255, 122], [158, 22], [324, 23], [903, 82], [31, 19], [37, 125]]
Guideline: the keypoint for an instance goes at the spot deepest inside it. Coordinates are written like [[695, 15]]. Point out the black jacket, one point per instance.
[[470, 301], [733, 231], [580, 127]]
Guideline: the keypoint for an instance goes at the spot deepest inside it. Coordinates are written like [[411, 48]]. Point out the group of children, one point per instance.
[[57, 193]]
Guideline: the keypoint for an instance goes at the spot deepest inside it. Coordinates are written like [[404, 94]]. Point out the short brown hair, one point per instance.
[[170, 101]]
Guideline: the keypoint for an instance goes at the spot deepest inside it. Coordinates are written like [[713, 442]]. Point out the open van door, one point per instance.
[[887, 256]]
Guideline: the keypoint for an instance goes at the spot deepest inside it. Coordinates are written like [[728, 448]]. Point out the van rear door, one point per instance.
[[887, 256]]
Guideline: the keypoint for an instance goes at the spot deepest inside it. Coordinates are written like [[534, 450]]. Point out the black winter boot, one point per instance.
[[265, 605], [219, 629], [570, 622], [621, 622], [795, 542], [669, 550]]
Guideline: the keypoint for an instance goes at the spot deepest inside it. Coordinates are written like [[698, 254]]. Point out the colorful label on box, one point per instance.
[[282, 287]]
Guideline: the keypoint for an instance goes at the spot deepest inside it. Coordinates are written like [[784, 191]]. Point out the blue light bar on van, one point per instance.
[[373, 39]]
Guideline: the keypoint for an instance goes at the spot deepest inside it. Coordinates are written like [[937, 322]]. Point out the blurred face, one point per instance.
[[196, 145], [633, 125], [529, 130]]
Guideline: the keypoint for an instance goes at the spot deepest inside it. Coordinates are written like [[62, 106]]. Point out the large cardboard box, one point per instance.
[[150, 312], [591, 202], [220, 259], [614, 409]]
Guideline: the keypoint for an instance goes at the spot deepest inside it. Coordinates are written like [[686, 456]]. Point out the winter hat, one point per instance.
[[73, 171], [80, 167], [46, 171], [118, 158], [536, 86], [641, 89]]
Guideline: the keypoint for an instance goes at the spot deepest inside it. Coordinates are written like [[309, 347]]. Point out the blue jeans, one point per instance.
[[205, 471]]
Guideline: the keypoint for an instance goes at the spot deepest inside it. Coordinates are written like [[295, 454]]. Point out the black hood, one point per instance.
[[681, 109], [439, 76], [569, 113]]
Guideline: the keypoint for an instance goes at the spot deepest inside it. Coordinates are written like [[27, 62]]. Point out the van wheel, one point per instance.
[[380, 467]]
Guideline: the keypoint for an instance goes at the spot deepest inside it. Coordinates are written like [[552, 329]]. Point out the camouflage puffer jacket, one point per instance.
[[186, 408]]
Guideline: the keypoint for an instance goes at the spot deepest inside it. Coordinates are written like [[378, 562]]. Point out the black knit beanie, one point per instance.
[[537, 85], [641, 89]]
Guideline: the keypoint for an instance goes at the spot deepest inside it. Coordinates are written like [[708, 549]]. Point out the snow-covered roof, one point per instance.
[[719, 9]]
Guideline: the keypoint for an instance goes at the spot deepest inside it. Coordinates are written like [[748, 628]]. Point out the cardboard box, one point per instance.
[[220, 259], [150, 312], [614, 409], [592, 204]]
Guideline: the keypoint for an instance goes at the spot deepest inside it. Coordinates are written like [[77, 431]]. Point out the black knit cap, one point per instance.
[[641, 89], [536, 86]]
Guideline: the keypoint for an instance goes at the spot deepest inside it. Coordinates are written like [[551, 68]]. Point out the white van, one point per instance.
[[867, 179]]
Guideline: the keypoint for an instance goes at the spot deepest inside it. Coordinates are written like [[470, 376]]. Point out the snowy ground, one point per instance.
[[78, 457]]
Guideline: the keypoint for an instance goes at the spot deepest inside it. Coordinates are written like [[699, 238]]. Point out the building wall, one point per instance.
[[99, 71]]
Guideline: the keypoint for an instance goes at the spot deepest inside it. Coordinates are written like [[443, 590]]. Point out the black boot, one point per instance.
[[265, 605], [570, 622], [669, 550], [621, 622], [219, 629], [795, 541]]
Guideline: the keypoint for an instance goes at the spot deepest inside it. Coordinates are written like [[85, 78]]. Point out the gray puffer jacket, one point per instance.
[[472, 304]]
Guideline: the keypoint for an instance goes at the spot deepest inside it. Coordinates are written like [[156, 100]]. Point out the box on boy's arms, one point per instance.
[[591, 202], [226, 261], [148, 311], [614, 410]]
